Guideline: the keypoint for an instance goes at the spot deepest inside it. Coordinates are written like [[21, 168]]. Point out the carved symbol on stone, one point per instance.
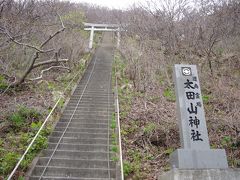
[[186, 71]]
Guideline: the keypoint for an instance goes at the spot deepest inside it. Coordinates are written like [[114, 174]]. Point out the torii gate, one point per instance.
[[101, 27]]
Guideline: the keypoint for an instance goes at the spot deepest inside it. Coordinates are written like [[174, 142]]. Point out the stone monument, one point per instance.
[[195, 152], [195, 160]]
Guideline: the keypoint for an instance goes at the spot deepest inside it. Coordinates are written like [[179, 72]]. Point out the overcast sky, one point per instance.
[[117, 4]]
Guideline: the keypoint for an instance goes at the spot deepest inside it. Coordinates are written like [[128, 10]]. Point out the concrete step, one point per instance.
[[79, 147], [97, 95], [110, 98], [79, 135], [102, 77], [76, 163], [91, 104], [80, 94], [84, 155], [63, 178], [85, 116], [89, 93], [90, 114], [95, 85], [83, 125], [88, 99], [88, 130], [89, 120], [81, 103], [78, 140], [97, 101], [74, 172], [90, 107], [79, 111]]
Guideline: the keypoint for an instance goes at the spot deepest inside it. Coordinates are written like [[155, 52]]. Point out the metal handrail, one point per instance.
[[35, 137], [119, 127]]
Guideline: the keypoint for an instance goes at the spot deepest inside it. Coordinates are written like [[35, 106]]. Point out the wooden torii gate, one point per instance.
[[101, 27]]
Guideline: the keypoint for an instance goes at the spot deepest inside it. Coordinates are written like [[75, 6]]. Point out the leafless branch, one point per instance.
[[45, 70], [49, 62], [11, 38], [54, 34], [39, 50]]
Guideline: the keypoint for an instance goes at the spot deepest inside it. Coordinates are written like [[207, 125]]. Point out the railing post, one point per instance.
[[118, 38], [91, 38]]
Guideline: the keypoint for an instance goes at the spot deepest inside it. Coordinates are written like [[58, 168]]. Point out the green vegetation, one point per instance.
[[168, 151], [113, 124], [114, 147], [3, 83], [24, 124], [40, 143], [125, 92], [154, 99], [127, 168], [131, 128], [23, 116], [149, 128], [115, 158], [7, 161], [134, 166], [97, 38], [169, 94], [230, 144], [206, 98]]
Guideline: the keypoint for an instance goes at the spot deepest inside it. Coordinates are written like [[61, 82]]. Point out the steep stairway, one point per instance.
[[79, 147]]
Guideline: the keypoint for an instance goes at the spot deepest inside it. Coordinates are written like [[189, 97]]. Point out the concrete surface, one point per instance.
[[209, 174]]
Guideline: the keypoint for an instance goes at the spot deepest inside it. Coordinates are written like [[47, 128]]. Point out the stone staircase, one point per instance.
[[80, 145]]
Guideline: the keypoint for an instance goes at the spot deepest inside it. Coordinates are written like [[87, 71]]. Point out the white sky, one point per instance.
[[116, 4]]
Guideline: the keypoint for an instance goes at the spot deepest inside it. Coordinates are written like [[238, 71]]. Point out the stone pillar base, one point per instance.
[[199, 159], [206, 174]]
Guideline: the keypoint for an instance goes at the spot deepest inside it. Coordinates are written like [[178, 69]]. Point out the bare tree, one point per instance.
[[36, 34]]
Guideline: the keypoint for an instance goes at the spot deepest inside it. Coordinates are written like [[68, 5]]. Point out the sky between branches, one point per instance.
[[116, 4]]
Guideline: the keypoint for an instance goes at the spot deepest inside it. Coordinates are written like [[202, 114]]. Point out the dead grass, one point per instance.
[[150, 131]]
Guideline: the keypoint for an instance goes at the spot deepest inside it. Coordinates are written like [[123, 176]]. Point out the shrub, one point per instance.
[[8, 161], [127, 168], [3, 84], [149, 128], [169, 94], [17, 120], [23, 116]]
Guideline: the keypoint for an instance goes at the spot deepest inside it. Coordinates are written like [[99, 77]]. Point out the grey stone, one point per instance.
[[183, 103], [199, 159], [209, 174], [195, 152]]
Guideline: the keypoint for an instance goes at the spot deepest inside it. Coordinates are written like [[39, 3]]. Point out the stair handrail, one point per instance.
[[118, 122], [45, 121]]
